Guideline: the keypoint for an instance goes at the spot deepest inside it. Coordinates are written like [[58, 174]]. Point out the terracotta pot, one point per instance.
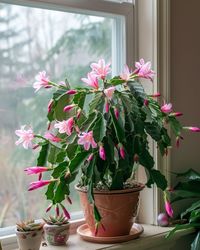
[[56, 235], [29, 240], [118, 209]]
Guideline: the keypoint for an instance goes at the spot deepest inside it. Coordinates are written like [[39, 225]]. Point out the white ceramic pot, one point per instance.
[[56, 235], [30, 240]]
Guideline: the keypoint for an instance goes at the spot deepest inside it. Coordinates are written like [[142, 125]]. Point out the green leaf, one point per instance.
[[90, 194], [196, 243], [145, 159], [61, 190], [61, 168], [182, 227], [50, 191], [191, 208], [116, 81], [59, 114], [153, 130], [99, 129], [137, 90], [190, 174], [53, 154], [156, 177], [79, 99], [42, 158], [78, 161], [119, 130], [175, 125], [97, 215], [97, 102]]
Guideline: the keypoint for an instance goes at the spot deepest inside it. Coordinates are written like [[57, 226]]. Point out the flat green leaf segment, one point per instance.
[[188, 188]]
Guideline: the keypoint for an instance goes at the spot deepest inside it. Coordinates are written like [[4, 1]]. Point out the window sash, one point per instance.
[[122, 31]]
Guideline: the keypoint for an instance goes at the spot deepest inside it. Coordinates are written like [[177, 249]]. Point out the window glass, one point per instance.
[[31, 40]]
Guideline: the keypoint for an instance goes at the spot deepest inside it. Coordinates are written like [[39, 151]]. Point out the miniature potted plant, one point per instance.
[[102, 130], [29, 234], [56, 229]]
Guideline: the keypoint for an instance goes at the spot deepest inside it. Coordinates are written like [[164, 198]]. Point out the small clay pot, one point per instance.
[[29, 240], [56, 235], [118, 209]]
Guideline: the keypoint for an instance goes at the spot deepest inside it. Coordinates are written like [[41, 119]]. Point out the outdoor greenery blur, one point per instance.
[[31, 40]]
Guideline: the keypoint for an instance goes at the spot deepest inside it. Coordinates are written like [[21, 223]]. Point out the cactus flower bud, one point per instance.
[[69, 107], [107, 106], [116, 111], [49, 208], [71, 92], [66, 213], [102, 153], [156, 95], [50, 105], [90, 157], [121, 151], [57, 210], [146, 102]]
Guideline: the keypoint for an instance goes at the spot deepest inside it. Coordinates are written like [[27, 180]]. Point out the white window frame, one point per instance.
[[99, 8]]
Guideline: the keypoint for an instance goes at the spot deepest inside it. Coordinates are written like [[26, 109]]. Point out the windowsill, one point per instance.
[[152, 238]]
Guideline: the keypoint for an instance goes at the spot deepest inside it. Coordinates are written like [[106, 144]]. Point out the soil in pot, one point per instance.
[[118, 209], [29, 240], [56, 234]]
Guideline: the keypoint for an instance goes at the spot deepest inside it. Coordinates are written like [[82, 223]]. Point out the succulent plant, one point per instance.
[[29, 225], [56, 220]]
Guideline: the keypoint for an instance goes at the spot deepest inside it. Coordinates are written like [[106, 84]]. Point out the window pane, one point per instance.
[[31, 40]]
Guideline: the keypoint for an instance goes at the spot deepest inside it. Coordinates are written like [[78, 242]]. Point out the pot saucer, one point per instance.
[[86, 234]]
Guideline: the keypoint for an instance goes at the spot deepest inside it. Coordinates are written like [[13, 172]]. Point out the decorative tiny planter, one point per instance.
[[56, 230], [29, 235]]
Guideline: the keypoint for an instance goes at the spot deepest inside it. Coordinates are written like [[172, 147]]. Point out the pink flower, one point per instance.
[[92, 80], [168, 208], [25, 137], [144, 69], [155, 95], [36, 170], [50, 104], [37, 184], [107, 107], [69, 107], [71, 92], [87, 140], [193, 129], [41, 81], [122, 151], [109, 92], [51, 137], [100, 69], [66, 213], [116, 111], [65, 126], [166, 108], [126, 74], [102, 153]]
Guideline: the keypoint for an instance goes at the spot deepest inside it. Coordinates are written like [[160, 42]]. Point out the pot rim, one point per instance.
[[111, 192], [56, 226], [28, 232]]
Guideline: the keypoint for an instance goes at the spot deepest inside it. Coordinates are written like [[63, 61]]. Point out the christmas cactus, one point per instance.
[[101, 130]]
